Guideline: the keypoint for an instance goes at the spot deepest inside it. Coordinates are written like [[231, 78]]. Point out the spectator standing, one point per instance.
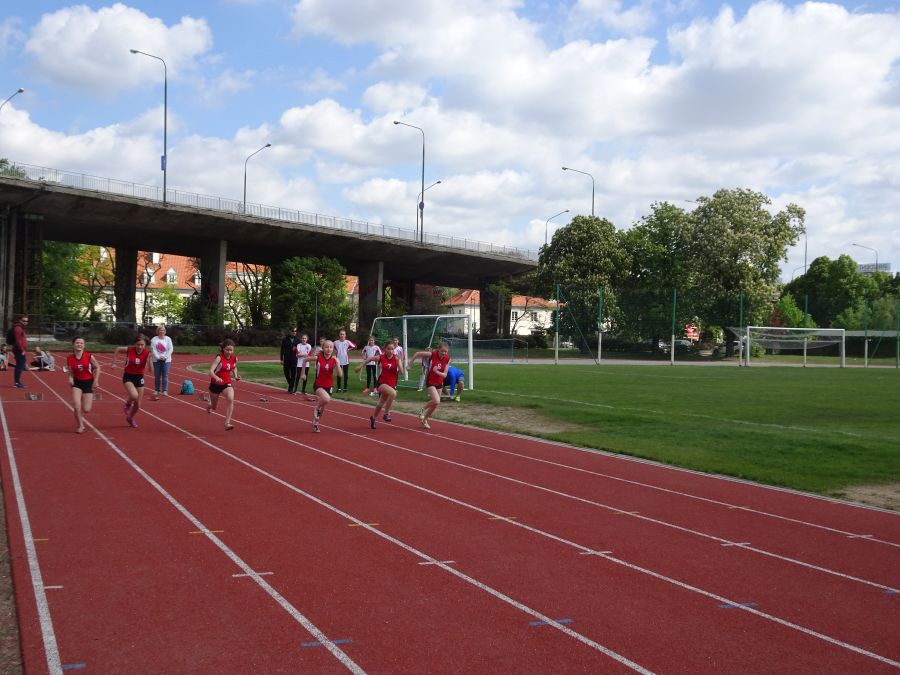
[[288, 358], [162, 348], [342, 347], [18, 342]]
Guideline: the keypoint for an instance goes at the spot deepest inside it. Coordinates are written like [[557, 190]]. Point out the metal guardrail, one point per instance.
[[225, 205]]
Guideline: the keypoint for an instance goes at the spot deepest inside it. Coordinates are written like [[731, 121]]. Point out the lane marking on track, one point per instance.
[[595, 553], [206, 532], [502, 518], [300, 618], [253, 574], [437, 562], [770, 617], [53, 588], [737, 605], [363, 524], [321, 644], [51, 650], [544, 623], [608, 507], [860, 536], [407, 547], [736, 543]]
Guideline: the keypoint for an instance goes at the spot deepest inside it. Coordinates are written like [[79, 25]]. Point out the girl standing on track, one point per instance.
[[370, 353], [326, 365], [434, 382], [162, 348], [391, 367], [221, 372], [84, 373], [301, 352], [136, 358], [343, 346]]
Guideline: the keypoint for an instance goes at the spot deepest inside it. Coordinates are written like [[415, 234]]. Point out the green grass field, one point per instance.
[[816, 429]]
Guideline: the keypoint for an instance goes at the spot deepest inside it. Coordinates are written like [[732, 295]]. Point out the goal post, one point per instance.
[[780, 338], [422, 332]]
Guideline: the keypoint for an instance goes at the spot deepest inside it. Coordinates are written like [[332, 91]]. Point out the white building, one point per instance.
[[526, 312]]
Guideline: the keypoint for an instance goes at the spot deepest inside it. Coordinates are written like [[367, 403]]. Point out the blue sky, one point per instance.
[[658, 100]]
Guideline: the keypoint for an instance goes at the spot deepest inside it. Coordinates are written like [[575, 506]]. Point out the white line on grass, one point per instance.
[[51, 650]]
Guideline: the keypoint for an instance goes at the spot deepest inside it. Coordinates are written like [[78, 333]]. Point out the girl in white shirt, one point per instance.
[[370, 351], [161, 347], [302, 350], [341, 348]]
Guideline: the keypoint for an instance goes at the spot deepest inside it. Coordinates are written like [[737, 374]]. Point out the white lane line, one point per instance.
[[437, 562], [590, 502], [656, 575], [51, 649], [412, 550], [252, 575], [313, 630], [53, 588]]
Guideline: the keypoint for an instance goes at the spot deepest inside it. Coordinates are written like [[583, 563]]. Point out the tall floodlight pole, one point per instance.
[[871, 249], [437, 182], [15, 93], [547, 224], [244, 207], [568, 168], [164, 160], [420, 211]]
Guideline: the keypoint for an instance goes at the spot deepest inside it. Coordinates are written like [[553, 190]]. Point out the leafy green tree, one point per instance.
[[299, 285], [7, 169], [166, 303], [97, 273], [833, 286], [738, 245], [583, 257], [879, 314], [64, 297], [249, 295], [786, 313], [661, 255]]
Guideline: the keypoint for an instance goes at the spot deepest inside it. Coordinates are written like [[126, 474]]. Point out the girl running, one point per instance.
[[136, 358], [84, 374], [434, 382], [370, 352], [221, 372], [391, 367], [326, 365], [302, 350]]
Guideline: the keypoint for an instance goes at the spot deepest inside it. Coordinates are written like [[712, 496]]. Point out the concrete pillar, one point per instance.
[[212, 275], [371, 295], [125, 286], [7, 266]]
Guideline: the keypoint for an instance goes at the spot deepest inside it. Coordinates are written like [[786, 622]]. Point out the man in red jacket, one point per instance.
[[20, 348]]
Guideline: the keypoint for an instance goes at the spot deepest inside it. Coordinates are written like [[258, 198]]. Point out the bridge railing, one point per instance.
[[223, 204]]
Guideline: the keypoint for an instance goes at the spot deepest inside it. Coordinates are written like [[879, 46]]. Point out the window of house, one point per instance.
[[155, 258], [148, 277], [534, 316], [171, 277], [515, 316], [196, 278]]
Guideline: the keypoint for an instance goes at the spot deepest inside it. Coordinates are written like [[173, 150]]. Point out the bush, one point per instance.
[[121, 335]]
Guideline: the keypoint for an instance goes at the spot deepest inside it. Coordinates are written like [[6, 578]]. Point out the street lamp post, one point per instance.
[[871, 249], [164, 161], [568, 168], [244, 207], [420, 211], [437, 182], [15, 93], [547, 224]]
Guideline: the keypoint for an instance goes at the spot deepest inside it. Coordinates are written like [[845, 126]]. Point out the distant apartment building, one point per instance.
[[527, 313]]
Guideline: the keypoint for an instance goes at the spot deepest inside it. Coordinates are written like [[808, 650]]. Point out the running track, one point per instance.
[[180, 547]]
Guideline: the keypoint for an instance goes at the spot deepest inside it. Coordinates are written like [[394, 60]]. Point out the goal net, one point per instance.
[[779, 339], [498, 349], [425, 332]]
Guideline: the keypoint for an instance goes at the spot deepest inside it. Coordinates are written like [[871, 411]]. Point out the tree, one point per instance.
[[166, 303], [249, 295], [833, 286], [737, 248], [147, 268], [301, 285], [7, 169], [63, 296], [660, 251], [786, 313], [879, 314], [583, 257], [97, 273]]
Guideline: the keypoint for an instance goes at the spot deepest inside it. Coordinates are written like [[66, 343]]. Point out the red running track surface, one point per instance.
[[181, 547]]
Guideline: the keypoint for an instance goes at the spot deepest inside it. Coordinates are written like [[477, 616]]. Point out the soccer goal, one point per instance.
[[498, 349], [780, 339], [423, 332]]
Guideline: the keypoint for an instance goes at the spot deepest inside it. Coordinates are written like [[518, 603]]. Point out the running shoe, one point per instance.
[[19, 385], [456, 398], [373, 393], [372, 421], [131, 422], [209, 408], [229, 427], [386, 417], [425, 423], [127, 407], [316, 427], [366, 390], [316, 413], [79, 430]]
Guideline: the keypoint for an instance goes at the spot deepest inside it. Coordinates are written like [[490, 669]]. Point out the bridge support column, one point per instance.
[[212, 275], [125, 287], [403, 295], [8, 227], [371, 295], [494, 310]]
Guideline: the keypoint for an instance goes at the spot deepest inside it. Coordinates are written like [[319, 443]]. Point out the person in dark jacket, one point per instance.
[[19, 345], [288, 359]]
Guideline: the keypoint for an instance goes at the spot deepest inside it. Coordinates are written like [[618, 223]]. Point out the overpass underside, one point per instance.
[[31, 212]]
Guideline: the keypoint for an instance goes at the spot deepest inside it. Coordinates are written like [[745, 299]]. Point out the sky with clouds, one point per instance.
[[656, 99]]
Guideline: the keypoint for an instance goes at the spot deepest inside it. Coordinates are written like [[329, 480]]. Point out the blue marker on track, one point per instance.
[[319, 644], [737, 604], [544, 623]]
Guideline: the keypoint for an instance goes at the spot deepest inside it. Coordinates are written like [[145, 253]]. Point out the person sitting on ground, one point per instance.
[[42, 360], [4, 356], [454, 383]]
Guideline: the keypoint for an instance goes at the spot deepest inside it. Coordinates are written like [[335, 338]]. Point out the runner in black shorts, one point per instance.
[[136, 358], [84, 373], [221, 372]]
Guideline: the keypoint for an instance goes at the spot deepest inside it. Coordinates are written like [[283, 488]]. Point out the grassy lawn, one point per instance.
[[816, 429]]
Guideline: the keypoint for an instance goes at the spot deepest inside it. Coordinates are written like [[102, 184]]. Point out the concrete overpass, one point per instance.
[[38, 204]]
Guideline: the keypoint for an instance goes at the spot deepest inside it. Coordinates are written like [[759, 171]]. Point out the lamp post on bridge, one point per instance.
[[244, 203], [165, 158], [15, 93]]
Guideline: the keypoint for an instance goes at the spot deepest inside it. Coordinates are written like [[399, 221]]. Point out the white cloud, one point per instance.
[[612, 14], [225, 85], [10, 34], [320, 82], [79, 48], [389, 97]]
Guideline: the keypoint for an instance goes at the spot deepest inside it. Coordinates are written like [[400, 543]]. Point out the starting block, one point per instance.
[[263, 399], [34, 396], [203, 396]]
